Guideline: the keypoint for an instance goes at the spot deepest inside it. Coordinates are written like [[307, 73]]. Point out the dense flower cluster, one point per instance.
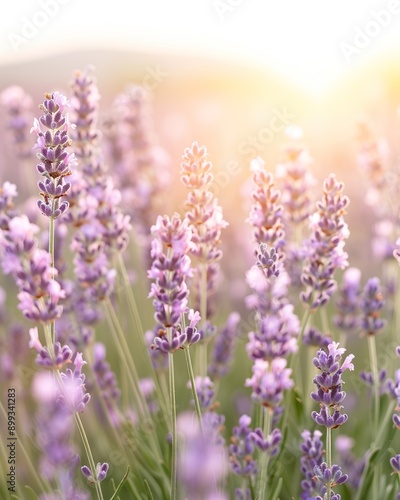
[[266, 211], [269, 380], [39, 294], [329, 393], [170, 268], [371, 305], [73, 395], [55, 159], [205, 218], [325, 247], [312, 456]]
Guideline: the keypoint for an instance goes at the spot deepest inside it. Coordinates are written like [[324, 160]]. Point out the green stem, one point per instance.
[[88, 451], [123, 351], [48, 335], [202, 346], [265, 457], [132, 374], [375, 374], [324, 320], [329, 457], [251, 488], [161, 396], [193, 385], [51, 238], [171, 379], [84, 438]]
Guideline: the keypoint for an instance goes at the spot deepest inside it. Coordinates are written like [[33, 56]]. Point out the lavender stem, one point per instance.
[[171, 379], [265, 456], [193, 386]]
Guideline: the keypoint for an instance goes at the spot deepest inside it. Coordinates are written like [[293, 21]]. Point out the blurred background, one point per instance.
[[231, 74]]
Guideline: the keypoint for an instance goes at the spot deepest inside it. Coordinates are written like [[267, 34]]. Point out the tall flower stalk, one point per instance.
[[329, 396], [206, 223], [170, 268], [55, 164]]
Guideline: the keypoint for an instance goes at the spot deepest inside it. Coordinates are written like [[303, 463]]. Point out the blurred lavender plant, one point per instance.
[[39, 294], [348, 303], [206, 223], [140, 167], [202, 462], [18, 105]]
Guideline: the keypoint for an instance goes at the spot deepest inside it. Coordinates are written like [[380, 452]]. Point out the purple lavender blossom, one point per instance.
[[204, 390], [269, 380], [297, 181], [326, 245], [313, 451], [39, 294], [18, 109], [371, 305], [348, 304], [54, 429], [205, 218], [269, 444], [106, 381], [202, 462], [266, 212], [242, 449], [8, 192], [73, 396], [62, 355], [170, 268], [313, 337], [55, 160], [329, 385], [225, 342], [353, 466], [329, 477], [368, 379], [98, 475]]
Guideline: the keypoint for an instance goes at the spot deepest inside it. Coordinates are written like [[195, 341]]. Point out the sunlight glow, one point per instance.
[[312, 42]]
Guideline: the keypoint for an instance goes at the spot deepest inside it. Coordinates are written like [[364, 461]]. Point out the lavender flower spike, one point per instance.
[[326, 245], [99, 474], [371, 304], [73, 391], [269, 380], [55, 160], [329, 385]]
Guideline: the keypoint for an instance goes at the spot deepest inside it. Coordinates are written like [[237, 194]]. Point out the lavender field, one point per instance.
[[199, 279]]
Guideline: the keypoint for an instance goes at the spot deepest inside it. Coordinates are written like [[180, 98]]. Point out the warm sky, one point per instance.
[[302, 39]]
